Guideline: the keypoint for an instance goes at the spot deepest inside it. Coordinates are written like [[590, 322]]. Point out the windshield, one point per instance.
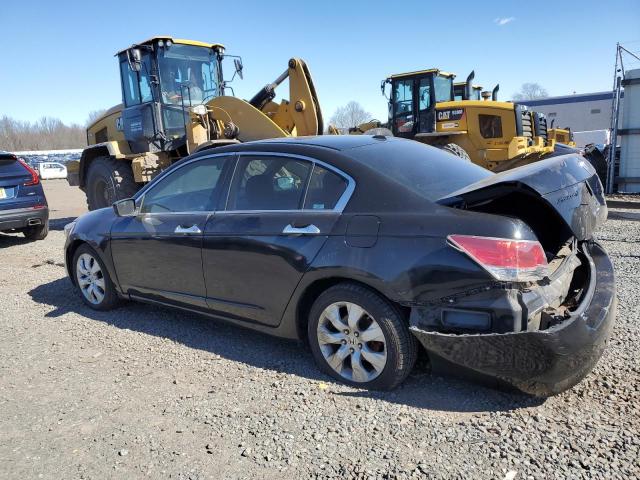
[[188, 74], [427, 171], [443, 87]]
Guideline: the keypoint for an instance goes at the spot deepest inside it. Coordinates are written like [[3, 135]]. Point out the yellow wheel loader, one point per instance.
[[561, 135], [174, 103], [496, 135]]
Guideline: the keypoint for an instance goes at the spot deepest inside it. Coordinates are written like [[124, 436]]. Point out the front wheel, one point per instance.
[[93, 280], [361, 339]]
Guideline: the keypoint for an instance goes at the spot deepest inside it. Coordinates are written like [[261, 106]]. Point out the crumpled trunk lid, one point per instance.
[[567, 185]]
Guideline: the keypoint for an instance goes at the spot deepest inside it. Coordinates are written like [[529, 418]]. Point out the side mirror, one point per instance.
[[238, 64], [125, 208]]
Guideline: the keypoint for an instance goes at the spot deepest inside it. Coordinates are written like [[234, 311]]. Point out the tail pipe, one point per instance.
[[494, 92], [468, 88]]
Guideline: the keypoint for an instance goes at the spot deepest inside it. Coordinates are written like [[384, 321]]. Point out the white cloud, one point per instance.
[[500, 21]]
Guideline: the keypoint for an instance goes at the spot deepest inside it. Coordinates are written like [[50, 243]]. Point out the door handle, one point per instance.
[[191, 229], [308, 230]]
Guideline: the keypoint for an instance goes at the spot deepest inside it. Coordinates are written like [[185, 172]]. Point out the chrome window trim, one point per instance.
[[236, 156], [166, 172], [340, 204]]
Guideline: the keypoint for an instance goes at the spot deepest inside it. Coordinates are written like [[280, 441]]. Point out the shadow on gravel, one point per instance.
[[421, 389], [9, 240]]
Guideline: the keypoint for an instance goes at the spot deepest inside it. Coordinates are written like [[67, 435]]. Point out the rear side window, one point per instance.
[[325, 189], [269, 183], [192, 188], [424, 170], [490, 126]]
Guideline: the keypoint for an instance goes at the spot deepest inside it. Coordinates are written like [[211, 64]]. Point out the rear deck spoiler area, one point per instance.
[[568, 186]]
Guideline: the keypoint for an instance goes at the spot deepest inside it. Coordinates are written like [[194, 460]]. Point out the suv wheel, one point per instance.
[[38, 232]]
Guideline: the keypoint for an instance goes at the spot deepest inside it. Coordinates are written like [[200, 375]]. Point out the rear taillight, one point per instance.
[[506, 259], [35, 179]]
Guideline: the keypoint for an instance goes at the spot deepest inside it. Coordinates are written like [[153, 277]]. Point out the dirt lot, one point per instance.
[[150, 392]]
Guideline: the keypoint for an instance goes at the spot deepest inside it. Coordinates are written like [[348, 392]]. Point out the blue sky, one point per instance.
[[57, 56]]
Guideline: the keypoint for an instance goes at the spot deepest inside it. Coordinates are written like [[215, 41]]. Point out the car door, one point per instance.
[[158, 252], [280, 211]]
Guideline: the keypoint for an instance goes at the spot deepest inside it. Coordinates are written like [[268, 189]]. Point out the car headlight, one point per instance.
[[68, 228]]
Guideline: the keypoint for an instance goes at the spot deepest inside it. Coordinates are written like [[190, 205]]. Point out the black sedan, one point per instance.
[[23, 206], [365, 247]]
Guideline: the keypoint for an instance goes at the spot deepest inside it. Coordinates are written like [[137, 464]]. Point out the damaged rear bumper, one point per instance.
[[539, 362]]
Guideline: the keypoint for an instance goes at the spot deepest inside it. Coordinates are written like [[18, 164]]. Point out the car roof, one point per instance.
[[4, 154], [334, 142]]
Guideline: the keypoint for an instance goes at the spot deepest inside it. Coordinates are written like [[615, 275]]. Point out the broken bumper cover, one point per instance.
[[542, 362]]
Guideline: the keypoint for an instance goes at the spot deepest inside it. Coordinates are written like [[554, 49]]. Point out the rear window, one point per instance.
[[9, 165], [427, 171]]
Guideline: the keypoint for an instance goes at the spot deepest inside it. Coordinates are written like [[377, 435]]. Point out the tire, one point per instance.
[[109, 180], [109, 298], [38, 232], [457, 150], [392, 351]]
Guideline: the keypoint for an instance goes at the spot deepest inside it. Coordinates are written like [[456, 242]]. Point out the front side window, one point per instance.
[[188, 74], [145, 79], [490, 126], [403, 105], [192, 188], [442, 87], [269, 183]]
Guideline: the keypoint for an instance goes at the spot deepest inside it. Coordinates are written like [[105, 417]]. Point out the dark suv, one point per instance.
[[23, 206]]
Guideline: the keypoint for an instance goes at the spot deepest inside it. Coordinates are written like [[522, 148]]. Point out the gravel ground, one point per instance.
[[146, 391]]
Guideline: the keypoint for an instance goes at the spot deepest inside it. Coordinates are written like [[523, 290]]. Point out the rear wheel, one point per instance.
[[93, 280], [359, 338], [457, 150], [108, 181], [38, 232]]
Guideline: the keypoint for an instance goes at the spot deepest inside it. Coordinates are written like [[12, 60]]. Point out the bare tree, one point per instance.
[[94, 115], [350, 115], [531, 91], [45, 134]]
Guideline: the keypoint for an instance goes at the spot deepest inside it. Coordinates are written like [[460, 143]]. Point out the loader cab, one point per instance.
[[413, 99], [162, 79], [459, 92]]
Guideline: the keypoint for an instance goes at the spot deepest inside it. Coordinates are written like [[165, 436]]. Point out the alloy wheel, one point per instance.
[[90, 278], [352, 342]]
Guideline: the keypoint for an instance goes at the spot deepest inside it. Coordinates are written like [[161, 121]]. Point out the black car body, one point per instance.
[[23, 206], [393, 225]]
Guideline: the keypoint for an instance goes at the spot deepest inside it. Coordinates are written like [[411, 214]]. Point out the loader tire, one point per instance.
[[457, 150], [108, 181], [598, 160]]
